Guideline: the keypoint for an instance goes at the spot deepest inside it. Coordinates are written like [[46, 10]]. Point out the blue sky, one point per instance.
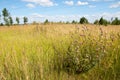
[[62, 10]]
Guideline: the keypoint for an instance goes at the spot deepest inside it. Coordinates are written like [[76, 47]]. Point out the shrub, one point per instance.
[[79, 56]]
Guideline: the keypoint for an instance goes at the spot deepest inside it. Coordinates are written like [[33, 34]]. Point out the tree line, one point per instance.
[[84, 20], [8, 20], [101, 21]]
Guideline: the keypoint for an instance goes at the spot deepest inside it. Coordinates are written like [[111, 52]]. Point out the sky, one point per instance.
[[62, 10]]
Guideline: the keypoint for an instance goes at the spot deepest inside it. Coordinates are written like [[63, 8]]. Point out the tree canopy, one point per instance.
[[17, 20], [25, 19], [46, 21], [116, 21], [11, 20], [6, 16], [83, 20]]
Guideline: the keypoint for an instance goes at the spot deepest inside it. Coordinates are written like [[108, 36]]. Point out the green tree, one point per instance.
[[116, 21], [102, 21], [1, 24], [0, 21], [83, 20], [6, 15], [0, 18], [5, 12], [96, 22], [25, 19], [46, 21], [67, 22], [74, 22], [7, 21], [11, 20], [17, 20]]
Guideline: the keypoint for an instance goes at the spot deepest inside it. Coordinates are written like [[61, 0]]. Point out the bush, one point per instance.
[[79, 56], [76, 61]]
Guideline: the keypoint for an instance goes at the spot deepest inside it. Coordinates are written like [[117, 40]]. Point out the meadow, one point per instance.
[[60, 52]]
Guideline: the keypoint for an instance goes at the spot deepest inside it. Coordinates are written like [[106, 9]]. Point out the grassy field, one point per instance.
[[60, 52]]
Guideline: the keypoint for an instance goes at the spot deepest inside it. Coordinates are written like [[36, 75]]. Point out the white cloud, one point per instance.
[[70, 3], [13, 7], [105, 15], [92, 6], [116, 5], [101, 0], [45, 3], [82, 3], [109, 0], [94, 0], [56, 18], [117, 14], [36, 15], [30, 5]]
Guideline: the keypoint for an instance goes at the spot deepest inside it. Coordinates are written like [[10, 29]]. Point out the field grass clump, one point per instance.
[[81, 54]]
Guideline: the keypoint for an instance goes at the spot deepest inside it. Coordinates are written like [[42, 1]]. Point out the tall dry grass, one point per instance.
[[60, 52]]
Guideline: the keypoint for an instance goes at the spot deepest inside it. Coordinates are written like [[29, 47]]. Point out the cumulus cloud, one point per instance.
[[101, 0], [116, 5], [109, 0], [92, 6], [94, 0], [79, 3], [45, 3], [30, 5], [105, 15], [14, 7], [36, 15], [56, 18], [70, 3], [117, 14]]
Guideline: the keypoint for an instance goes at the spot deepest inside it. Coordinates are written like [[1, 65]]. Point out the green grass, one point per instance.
[[59, 53]]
